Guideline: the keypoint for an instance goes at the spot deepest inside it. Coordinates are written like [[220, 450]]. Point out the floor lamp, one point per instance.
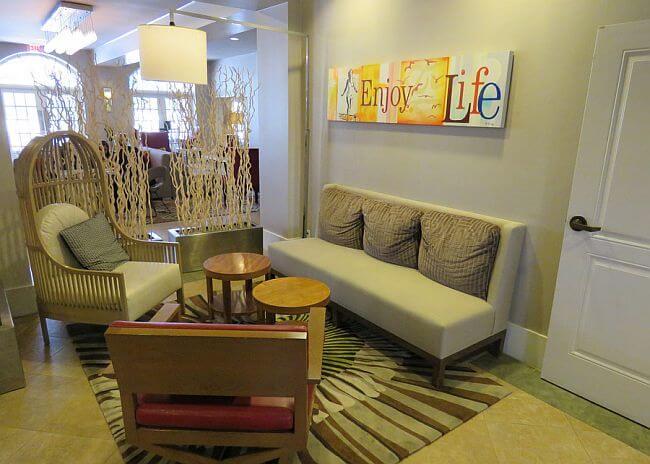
[[194, 67]]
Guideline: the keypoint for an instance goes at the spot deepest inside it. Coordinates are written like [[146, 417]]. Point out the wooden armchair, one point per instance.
[[217, 385], [61, 181]]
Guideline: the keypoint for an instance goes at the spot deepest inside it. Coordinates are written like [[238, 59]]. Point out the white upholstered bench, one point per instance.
[[437, 322]]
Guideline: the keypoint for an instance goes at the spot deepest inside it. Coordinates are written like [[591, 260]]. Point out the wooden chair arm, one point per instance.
[[65, 285], [170, 312], [151, 251], [60, 268], [315, 339]]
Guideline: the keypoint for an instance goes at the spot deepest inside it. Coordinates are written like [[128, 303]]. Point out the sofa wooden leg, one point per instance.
[[46, 335], [496, 347], [335, 316], [438, 374]]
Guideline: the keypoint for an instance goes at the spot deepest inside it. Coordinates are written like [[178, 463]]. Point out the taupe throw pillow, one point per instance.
[[94, 244], [340, 220], [458, 251], [391, 232]]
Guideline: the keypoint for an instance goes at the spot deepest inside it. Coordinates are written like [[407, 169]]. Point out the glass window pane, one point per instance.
[[146, 114], [21, 118]]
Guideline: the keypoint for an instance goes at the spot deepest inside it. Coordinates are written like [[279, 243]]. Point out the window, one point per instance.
[[147, 118], [25, 117], [154, 107]]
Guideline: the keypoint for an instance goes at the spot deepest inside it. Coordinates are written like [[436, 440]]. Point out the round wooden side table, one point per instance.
[[229, 267], [289, 295]]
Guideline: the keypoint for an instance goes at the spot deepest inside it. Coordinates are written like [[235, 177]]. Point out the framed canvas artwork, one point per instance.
[[464, 90]]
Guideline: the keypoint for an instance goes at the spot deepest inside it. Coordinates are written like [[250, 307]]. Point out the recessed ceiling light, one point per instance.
[[234, 38]]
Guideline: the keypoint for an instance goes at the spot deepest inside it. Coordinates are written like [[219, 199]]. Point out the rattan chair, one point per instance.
[[63, 174]]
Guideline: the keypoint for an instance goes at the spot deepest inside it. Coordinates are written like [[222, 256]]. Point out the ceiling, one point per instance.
[[115, 22]]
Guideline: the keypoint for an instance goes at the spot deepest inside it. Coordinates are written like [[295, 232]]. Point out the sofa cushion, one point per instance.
[[94, 244], [340, 218], [157, 157], [391, 232], [50, 221], [147, 284], [458, 251], [430, 316]]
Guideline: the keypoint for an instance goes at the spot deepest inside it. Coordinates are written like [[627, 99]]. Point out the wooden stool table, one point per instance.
[[289, 295], [229, 267]]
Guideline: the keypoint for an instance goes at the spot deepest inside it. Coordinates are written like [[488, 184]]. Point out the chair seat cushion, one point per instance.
[[232, 414], [209, 326], [147, 284], [400, 300], [224, 413]]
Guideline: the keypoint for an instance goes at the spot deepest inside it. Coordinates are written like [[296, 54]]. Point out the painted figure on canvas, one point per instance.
[[346, 93], [349, 90]]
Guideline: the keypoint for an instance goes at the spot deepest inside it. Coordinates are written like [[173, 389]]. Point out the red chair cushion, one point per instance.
[[214, 416], [193, 326], [250, 414]]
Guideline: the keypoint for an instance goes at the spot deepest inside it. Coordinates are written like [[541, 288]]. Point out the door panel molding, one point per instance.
[[628, 60], [586, 314]]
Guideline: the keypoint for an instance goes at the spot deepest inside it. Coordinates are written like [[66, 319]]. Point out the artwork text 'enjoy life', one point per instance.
[[464, 90]]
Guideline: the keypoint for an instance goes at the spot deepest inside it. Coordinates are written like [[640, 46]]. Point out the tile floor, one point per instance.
[[56, 420]]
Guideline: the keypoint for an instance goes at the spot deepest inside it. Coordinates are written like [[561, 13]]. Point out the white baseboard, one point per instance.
[[525, 345], [269, 237], [22, 300]]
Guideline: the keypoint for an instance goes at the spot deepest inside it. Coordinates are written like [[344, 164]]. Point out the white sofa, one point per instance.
[[437, 322]]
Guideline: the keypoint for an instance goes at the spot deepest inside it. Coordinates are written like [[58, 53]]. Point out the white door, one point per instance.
[[599, 338]]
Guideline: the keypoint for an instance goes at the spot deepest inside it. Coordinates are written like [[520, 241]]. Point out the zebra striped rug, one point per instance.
[[375, 404]]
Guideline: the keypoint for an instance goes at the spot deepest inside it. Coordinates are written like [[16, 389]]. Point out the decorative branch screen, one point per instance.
[[83, 109], [210, 170]]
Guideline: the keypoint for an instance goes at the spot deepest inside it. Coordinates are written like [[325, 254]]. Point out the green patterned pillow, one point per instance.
[[94, 245]]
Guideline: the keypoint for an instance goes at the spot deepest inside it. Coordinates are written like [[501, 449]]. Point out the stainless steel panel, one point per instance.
[[196, 248]]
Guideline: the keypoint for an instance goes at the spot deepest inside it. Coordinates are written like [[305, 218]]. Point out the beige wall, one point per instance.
[[522, 172], [280, 100]]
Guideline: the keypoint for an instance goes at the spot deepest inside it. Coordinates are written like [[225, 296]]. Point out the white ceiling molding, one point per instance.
[[109, 52]]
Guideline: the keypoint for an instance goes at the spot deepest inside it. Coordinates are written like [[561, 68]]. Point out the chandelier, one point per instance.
[[69, 28]]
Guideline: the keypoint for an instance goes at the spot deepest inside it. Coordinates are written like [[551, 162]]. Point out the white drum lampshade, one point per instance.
[[173, 53]]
